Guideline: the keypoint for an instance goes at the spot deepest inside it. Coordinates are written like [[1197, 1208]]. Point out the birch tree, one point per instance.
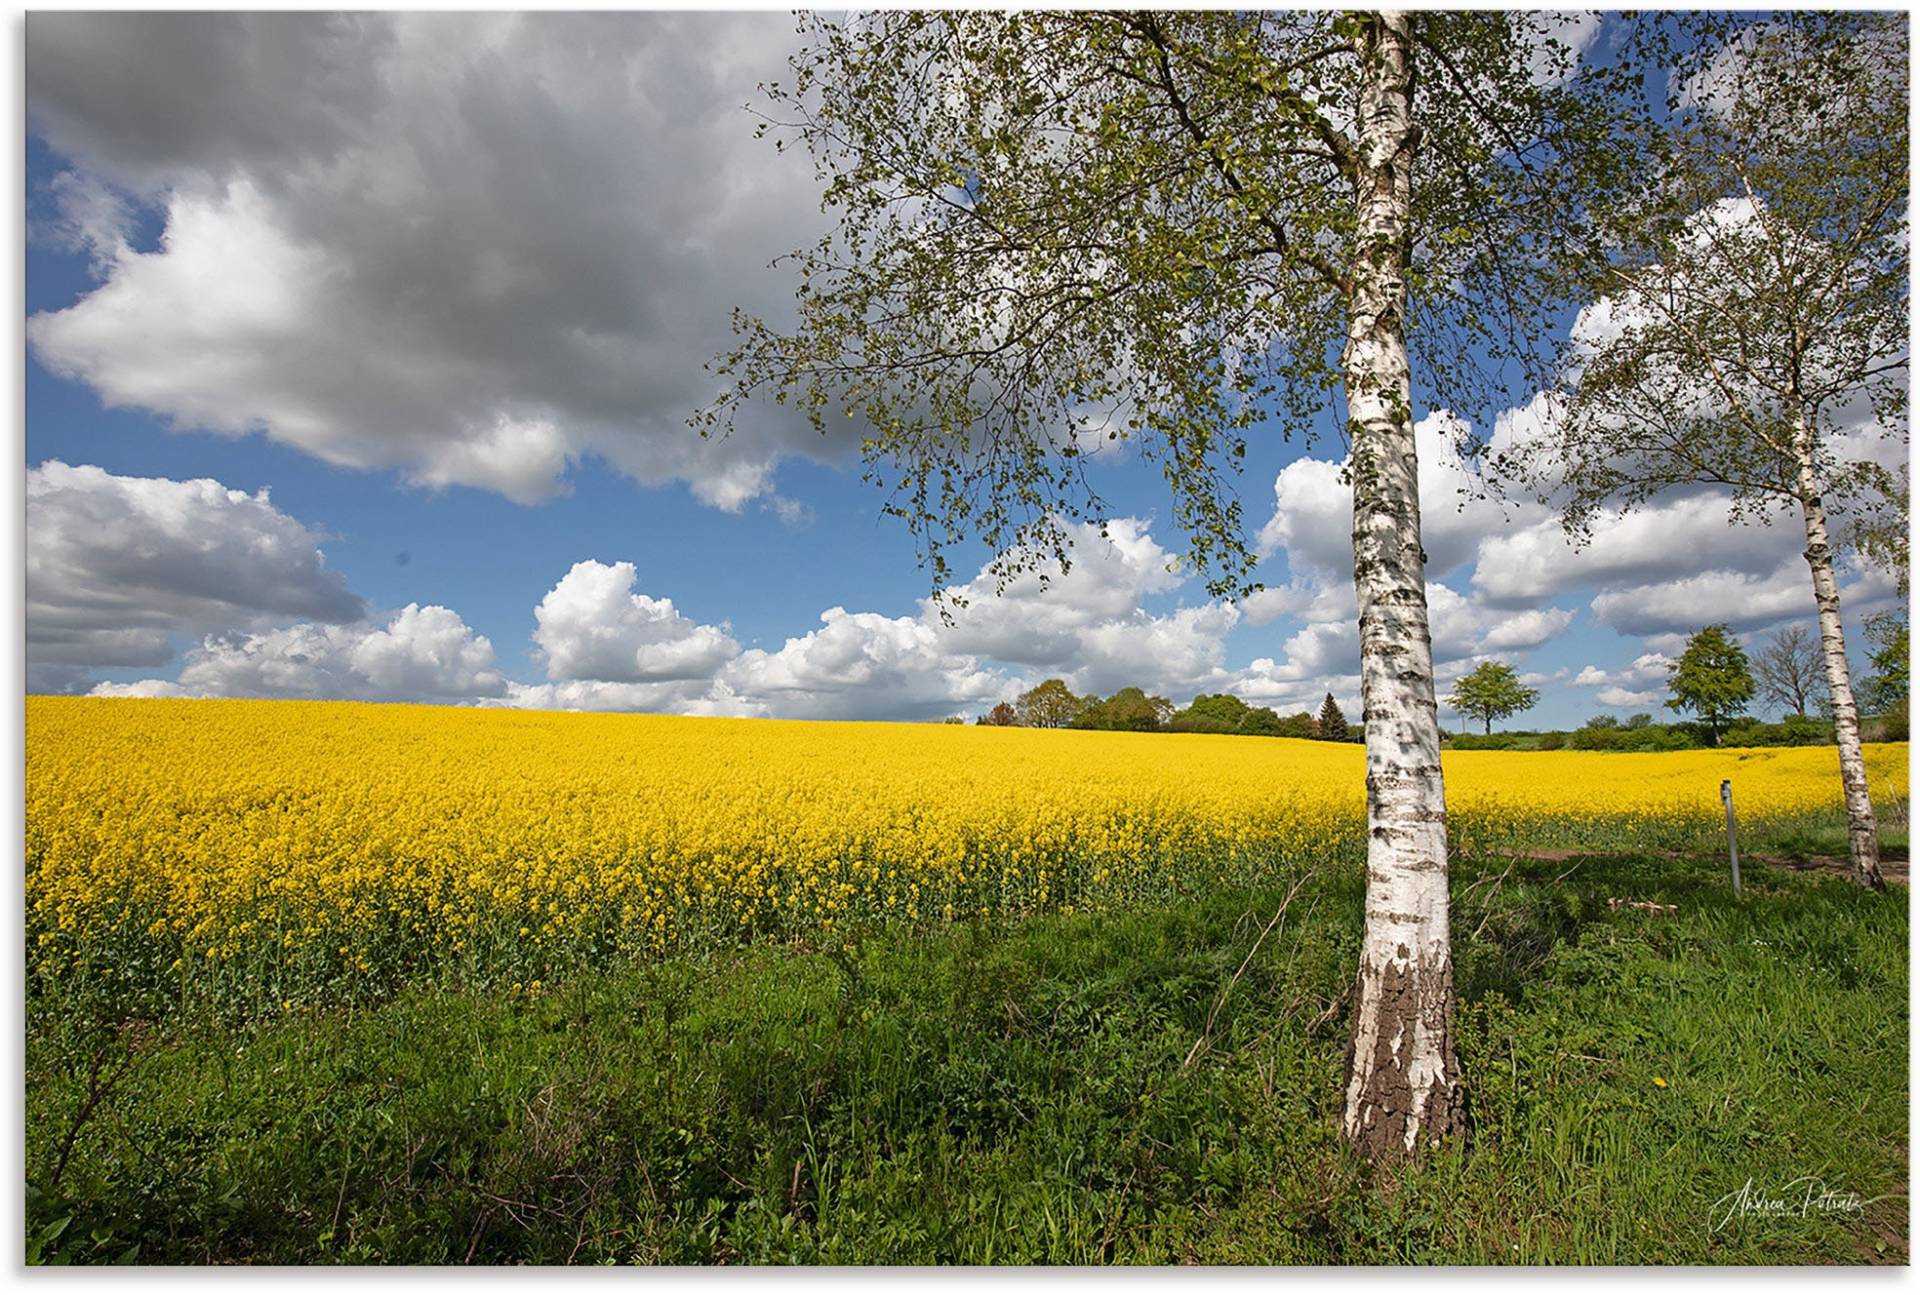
[[1059, 231], [1753, 333]]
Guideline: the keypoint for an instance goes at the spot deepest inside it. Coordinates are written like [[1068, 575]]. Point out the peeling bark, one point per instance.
[[1863, 837], [1403, 1088]]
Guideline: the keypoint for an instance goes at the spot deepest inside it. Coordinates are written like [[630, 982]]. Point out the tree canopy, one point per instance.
[[1711, 679], [1059, 230], [1491, 691]]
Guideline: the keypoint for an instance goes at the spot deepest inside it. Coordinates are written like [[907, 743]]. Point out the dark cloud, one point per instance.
[[117, 566]]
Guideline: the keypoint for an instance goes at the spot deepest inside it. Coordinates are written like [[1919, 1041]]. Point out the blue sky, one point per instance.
[[442, 288]]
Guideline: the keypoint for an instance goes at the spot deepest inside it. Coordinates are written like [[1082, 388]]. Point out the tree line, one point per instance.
[[1713, 680], [1052, 704]]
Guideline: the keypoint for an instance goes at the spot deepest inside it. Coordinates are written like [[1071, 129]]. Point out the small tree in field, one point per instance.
[[1790, 669], [1711, 679], [1331, 722], [1492, 691]]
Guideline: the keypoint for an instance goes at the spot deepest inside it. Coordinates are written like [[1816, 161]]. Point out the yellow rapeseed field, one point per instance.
[[276, 848]]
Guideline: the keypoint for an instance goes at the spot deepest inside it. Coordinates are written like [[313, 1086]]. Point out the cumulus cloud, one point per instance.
[[1735, 599], [677, 697], [606, 645], [1313, 508], [592, 626], [118, 566], [420, 654], [1643, 547], [862, 665], [1042, 623], [472, 248], [1641, 682], [1612, 695]]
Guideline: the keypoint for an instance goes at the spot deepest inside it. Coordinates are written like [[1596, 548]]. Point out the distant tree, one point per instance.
[[1492, 691], [1711, 679], [1211, 713], [1332, 724], [1603, 721], [1299, 724], [1791, 669], [1050, 704], [1886, 688], [1640, 720], [1003, 715], [1261, 721], [1130, 710]]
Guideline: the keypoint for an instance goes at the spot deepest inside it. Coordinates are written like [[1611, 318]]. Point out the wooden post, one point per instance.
[[1733, 845]]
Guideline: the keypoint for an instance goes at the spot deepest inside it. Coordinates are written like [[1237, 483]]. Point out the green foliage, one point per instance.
[[1794, 730], [1886, 689], [1060, 230], [1491, 691], [1711, 679], [1211, 713], [1129, 710], [1264, 721], [1003, 715], [1024, 1094], [1049, 704]]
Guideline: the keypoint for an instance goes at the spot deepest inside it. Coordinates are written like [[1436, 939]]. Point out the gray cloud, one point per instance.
[[471, 248], [117, 566]]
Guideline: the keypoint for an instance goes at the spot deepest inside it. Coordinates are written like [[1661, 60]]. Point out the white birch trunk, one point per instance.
[[1403, 1091], [1863, 838]]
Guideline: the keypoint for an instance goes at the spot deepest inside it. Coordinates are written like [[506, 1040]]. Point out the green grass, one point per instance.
[[1023, 1094]]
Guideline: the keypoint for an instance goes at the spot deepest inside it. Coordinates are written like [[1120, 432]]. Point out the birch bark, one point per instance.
[[1403, 1090], [1863, 838]]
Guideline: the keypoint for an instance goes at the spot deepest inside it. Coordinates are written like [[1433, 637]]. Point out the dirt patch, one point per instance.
[[1893, 864], [1893, 860]]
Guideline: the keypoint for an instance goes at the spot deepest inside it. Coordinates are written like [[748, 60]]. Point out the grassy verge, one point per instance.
[[1073, 1089]]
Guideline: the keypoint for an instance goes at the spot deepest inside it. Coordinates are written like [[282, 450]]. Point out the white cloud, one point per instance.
[[468, 248], [1615, 696], [1047, 624], [118, 566], [421, 654], [678, 697], [1644, 670], [592, 626], [1741, 600], [1571, 33], [1313, 508], [1664, 540], [1175, 656], [862, 665]]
